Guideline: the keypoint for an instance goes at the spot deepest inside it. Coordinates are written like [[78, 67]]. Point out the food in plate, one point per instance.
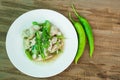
[[42, 41]]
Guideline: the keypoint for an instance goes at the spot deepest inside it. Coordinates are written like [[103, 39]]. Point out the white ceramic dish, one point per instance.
[[14, 44]]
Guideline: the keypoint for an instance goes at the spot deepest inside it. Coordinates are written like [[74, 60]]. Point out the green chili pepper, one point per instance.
[[81, 38], [88, 30]]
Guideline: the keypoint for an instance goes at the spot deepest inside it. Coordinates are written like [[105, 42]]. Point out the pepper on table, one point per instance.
[[88, 30], [81, 38]]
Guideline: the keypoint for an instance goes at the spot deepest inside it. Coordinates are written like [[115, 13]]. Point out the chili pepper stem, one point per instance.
[[75, 11], [71, 18]]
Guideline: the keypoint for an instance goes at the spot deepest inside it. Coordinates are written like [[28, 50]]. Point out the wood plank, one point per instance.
[[103, 15]]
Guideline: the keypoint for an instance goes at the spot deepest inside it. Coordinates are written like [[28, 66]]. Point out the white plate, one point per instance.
[[14, 44]]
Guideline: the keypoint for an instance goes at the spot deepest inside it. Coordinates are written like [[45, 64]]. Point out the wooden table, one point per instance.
[[103, 15]]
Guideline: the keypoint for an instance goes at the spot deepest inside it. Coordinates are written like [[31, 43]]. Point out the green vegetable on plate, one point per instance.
[[29, 55], [39, 45], [42, 41]]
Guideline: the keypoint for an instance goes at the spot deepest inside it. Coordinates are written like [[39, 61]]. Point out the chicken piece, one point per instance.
[[54, 40], [34, 56], [32, 33], [53, 31], [50, 47], [36, 27], [39, 58], [54, 48], [27, 43], [29, 33], [26, 33]]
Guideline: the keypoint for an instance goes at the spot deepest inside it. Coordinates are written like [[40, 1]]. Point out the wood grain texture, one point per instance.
[[103, 15]]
